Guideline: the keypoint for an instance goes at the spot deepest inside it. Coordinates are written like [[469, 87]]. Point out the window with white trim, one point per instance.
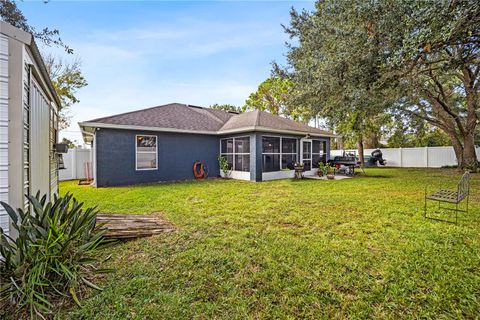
[[278, 153], [146, 152], [237, 153]]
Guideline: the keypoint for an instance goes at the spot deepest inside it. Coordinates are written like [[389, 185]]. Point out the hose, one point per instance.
[[199, 171]]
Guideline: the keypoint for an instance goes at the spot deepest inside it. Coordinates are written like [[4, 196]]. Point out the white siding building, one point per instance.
[[28, 122]]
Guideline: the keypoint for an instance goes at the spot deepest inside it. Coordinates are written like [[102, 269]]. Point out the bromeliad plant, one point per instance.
[[52, 256]]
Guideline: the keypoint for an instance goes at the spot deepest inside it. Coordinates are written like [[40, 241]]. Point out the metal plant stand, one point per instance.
[[451, 197]]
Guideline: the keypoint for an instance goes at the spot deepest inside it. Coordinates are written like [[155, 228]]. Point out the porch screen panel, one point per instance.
[[278, 153], [289, 153], [237, 152], [271, 154], [242, 154]]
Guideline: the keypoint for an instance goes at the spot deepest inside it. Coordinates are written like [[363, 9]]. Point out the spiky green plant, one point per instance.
[[52, 256]]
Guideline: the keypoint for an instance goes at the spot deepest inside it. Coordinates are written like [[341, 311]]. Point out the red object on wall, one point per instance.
[[199, 171]]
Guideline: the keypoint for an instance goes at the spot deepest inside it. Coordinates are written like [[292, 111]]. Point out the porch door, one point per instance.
[[306, 154]]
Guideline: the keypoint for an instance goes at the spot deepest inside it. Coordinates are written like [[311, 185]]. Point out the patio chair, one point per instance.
[[450, 197]]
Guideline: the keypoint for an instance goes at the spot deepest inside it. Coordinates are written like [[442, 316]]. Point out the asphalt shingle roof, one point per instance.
[[192, 118], [262, 119]]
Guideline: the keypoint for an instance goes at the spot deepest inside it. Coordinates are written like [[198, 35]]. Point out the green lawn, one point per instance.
[[356, 248]]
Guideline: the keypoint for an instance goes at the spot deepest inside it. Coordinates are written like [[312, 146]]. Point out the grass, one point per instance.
[[356, 248]]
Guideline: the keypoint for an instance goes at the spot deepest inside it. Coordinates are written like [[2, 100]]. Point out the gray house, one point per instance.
[[162, 143]]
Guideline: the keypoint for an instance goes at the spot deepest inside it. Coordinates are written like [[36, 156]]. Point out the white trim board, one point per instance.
[[275, 175], [237, 175], [85, 125]]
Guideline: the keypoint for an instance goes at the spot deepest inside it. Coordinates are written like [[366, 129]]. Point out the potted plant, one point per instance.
[[223, 163], [331, 173], [323, 169]]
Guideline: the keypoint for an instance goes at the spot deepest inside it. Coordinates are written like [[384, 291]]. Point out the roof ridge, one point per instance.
[[135, 111], [257, 118], [210, 114]]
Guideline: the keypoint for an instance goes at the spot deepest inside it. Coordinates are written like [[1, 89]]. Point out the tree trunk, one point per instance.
[[464, 147], [469, 157], [360, 152], [372, 141], [339, 143]]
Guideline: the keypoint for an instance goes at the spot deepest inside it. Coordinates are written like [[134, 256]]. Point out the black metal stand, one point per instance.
[[450, 197]]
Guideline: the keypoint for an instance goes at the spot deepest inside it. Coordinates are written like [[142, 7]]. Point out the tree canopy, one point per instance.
[[66, 76], [10, 13], [273, 95], [353, 61], [226, 107], [67, 79]]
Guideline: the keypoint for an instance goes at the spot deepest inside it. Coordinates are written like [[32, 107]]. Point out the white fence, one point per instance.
[[75, 161], [425, 157]]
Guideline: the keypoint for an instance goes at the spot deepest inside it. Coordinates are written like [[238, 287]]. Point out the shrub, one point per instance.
[[52, 256], [223, 163], [324, 168]]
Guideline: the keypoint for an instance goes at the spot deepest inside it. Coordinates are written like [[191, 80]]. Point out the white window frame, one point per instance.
[[302, 159], [281, 153], [234, 154], [137, 152]]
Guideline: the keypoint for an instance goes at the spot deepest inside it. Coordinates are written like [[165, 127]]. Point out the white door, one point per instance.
[[306, 154]]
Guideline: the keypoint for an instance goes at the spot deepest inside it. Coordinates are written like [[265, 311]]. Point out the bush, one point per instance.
[[223, 163], [52, 256]]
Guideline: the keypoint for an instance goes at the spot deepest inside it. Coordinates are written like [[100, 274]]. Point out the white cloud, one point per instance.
[[155, 64]]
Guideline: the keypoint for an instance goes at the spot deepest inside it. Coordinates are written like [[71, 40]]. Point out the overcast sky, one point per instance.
[[141, 54]]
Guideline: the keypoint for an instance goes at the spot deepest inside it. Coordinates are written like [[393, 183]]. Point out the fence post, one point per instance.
[[400, 157], [426, 157], [74, 163]]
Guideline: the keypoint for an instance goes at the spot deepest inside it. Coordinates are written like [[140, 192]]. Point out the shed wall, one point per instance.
[[4, 77], [25, 103], [39, 140]]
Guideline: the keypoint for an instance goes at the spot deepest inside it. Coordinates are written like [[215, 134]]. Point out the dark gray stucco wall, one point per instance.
[[176, 154]]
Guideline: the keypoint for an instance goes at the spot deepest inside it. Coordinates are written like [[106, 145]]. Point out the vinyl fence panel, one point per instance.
[[74, 162], [423, 157]]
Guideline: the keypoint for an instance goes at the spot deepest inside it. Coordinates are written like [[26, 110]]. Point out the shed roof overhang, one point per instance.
[[27, 39]]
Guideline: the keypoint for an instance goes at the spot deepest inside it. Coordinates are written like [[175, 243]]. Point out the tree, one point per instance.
[[226, 107], [414, 132], [71, 144], [10, 13], [333, 66], [67, 79], [432, 54], [273, 96], [357, 59]]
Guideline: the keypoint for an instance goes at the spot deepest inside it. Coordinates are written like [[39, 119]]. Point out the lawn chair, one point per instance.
[[451, 197]]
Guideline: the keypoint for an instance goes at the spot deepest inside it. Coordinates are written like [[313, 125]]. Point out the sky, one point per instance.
[[142, 54]]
